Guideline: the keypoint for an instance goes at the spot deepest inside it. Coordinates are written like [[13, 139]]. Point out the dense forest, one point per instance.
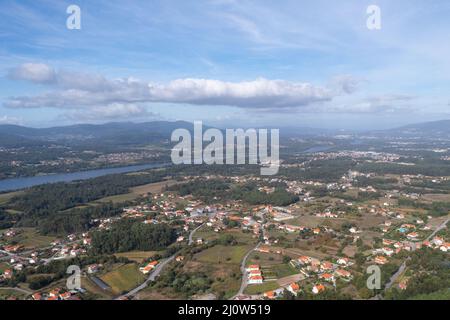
[[128, 235], [75, 220], [6, 219], [43, 200], [210, 191], [430, 168], [62, 208]]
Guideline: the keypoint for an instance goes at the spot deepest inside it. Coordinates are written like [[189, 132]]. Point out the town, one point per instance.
[[243, 237]]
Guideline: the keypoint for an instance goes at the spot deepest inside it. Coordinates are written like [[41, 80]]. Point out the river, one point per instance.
[[27, 182]]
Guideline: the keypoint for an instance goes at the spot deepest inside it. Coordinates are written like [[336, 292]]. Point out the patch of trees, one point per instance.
[[6, 219], [211, 190], [39, 282], [431, 275], [43, 200], [377, 182], [279, 197], [206, 190], [436, 208], [188, 284], [76, 220], [425, 168], [323, 170], [45, 274], [128, 235]]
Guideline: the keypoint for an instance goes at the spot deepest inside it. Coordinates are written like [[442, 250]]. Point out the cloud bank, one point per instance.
[[80, 90]]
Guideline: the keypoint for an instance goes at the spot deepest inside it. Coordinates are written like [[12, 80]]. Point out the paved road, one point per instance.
[[244, 283], [439, 228], [396, 275], [403, 266], [191, 235], [17, 289], [244, 272], [157, 271]]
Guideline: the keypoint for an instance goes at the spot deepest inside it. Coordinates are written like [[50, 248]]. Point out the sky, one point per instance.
[[226, 62]]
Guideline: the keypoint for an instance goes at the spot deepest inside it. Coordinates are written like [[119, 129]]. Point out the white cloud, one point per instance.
[[10, 120], [34, 72], [78, 90]]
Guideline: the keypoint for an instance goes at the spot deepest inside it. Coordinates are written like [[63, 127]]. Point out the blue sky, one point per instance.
[[247, 63]]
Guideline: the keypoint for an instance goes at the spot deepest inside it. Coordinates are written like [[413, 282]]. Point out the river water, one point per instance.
[[27, 182]]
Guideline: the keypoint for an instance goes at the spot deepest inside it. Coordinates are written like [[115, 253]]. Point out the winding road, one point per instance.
[[244, 283], [403, 265], [157, 271]]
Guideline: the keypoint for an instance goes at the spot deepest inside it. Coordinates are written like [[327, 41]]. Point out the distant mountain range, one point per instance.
[[434, 129], [124, 133]]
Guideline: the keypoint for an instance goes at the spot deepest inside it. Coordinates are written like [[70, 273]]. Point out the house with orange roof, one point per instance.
[[252, 267], [54, 293], [294, 288], [304, 259], [327, 277], [445, 247], [380, 260], [273, 294], [65, 295], [254, 273], [412, 236], [326, 266], [387, 242], [255, 280], [36, 296], [343, 261], [343, 273], [264, 249], [318, 288], [149, 267], [388, 251], [437, 241], [7, 274]]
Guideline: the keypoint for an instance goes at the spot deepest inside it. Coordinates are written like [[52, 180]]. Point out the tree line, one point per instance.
[[128, 235]]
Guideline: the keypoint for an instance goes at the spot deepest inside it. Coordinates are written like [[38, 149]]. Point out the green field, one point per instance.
[[8, 293], [438, 295], [3, 267], [137, 256], [261, 288], [5, 197], [30, 238], [284, 270], [123, 278], [223, 254]]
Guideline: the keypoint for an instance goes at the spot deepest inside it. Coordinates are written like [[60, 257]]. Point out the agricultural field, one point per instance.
[[254, 289], [123, 278], [137, 256], [223, 254], [30, 238]]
